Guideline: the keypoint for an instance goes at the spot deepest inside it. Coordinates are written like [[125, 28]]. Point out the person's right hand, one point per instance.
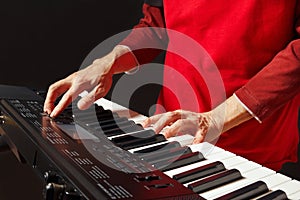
[[96, 79]]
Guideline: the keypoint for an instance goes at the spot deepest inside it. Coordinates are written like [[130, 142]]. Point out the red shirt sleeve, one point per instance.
[[278, 82], [143, 35]]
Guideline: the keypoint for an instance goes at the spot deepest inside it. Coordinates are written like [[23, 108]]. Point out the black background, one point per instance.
[[45, 40], [42, 41]]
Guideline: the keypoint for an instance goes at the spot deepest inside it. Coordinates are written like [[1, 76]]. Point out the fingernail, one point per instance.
[[53, 113], [144, 124], [46, 111], [196, 141], [82, 104]]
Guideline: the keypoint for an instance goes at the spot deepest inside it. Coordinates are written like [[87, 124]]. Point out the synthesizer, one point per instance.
[[103, 153]]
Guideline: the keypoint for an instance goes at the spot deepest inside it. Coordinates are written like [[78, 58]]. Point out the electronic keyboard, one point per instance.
[[104, 153]]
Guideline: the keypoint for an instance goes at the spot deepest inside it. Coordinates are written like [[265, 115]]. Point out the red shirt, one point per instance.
[[251, 49]]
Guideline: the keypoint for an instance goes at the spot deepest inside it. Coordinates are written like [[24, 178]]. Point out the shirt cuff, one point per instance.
[[249, 111], [134, 70]]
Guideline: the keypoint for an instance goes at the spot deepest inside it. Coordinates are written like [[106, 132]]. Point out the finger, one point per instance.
[[165, 120], [98, 92], [86, 101], [146, 123], [151, 120], [67, 98], [181, 126], [199, 137], [64, 102], [202, 131], [54, 91]]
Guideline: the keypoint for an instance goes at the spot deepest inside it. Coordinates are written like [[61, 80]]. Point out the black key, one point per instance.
[[117, 125], [106, 122], [138, 135], [139, 142], [89, 117], [67, 111], [122, 127], [247, 192], [120, 131], [275, 195], [215, 181], [91, 111], [63, 120], [176, 162], [169, 145], [200, 172], [165, 154], [111, 121]]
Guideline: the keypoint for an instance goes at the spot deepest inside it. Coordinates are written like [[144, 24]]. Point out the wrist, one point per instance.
[[124, 59], [230, 114]]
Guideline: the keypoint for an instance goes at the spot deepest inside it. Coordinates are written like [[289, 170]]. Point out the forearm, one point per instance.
[[229, 114], [124, 59], [275, 84], [148, 38], [278, 82]]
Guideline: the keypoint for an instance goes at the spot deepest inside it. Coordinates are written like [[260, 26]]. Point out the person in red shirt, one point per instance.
[[255, 47]]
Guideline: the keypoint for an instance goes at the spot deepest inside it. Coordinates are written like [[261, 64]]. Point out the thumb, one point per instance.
[[199, 137], [86, 101]]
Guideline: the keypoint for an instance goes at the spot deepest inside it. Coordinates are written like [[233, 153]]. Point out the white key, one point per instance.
[[173, 172], [250, 177], [201, 146], [230, 162], [289, 187], [274, 180], [222, 155], [194, 148], [205, 148], [258, 173], [216, 154], [264, 174], [225, 157], [116, 136], [183, 139], [294, 196], [220, 191], [121, 110], [147, 146], [247, 166], [219, 155]]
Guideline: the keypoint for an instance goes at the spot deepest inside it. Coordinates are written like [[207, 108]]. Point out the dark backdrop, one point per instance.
[[44, 40]]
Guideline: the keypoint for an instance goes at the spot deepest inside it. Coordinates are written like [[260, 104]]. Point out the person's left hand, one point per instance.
[[179, 122]]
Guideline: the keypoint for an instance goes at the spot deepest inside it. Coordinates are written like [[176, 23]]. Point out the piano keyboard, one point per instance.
[[251, 181], [103, 153]]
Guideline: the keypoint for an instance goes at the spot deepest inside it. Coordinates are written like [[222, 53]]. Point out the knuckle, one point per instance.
[[178, 113], [88, 98], [68, 95], [53, 87], [148, 120], [99, 90], [78, 79], [179, 123], [174, 114]]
